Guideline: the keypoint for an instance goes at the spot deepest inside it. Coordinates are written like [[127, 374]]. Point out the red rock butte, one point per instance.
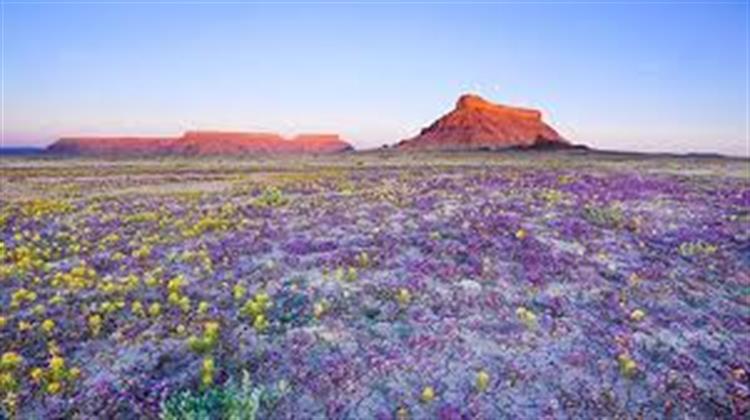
[[202, 143], [477, 124]]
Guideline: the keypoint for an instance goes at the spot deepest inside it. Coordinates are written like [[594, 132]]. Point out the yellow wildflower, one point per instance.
[[483, 381], [48, 326], [260, 323], [203, 307], [95, 324], [38, 309], [319, 309], [403, 296], [10, 360], [137, 309], [351, 274], [184, 304], [428, 394], [637, 315], [526, 316], [628, 366], [363, 259], [262, 298], [174, 285], [54, 387], [37, 374], [154, 309], [7, 381], [207, 371], [151, 281], [238, 291], [211, 330], [56, 364], [53, 348]]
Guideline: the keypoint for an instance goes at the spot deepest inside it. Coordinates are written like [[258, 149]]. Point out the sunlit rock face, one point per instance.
[[202, 143], [476, 123]]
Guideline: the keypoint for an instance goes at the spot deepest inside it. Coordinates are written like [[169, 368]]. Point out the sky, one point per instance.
[[661, 76]]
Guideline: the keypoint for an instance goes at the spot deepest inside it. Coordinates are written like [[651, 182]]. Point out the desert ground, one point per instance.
[[376, 285]]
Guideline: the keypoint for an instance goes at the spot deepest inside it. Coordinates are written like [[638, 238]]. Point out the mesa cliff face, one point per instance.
[[479, 124], [111, 145], [201, 143]]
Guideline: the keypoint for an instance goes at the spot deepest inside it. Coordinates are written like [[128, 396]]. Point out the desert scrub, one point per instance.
[[233, 401], [271, 197], [609, 216]]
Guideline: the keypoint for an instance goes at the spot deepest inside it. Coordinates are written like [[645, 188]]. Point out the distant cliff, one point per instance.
[[111, 145], [201, 143], [477, 124]]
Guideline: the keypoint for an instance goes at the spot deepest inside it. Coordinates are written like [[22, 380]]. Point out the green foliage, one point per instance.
[[234, 401], [271, 197], [243, 400], [188, 405], [609, 216]]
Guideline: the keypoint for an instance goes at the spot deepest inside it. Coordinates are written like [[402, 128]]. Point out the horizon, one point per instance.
[[620, 76]]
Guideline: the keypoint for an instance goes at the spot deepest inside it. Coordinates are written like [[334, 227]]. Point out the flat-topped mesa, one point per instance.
[[471, 102], [202, 143], [112, 145], [227, 143], [218, 142], [321, 143], [476, 123]]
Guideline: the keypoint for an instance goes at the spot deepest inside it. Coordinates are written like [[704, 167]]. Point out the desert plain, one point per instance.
[[560, 284]]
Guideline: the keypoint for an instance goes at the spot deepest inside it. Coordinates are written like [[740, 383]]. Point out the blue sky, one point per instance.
[[636, 76]]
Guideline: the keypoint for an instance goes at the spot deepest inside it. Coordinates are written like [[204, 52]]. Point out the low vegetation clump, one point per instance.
[[236, 400]]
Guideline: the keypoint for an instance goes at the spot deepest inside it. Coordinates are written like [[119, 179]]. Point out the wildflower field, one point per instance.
[[377, 286]]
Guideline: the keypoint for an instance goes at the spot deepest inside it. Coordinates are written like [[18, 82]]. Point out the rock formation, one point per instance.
[[477, 124], [201, 143], [111, 145]]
